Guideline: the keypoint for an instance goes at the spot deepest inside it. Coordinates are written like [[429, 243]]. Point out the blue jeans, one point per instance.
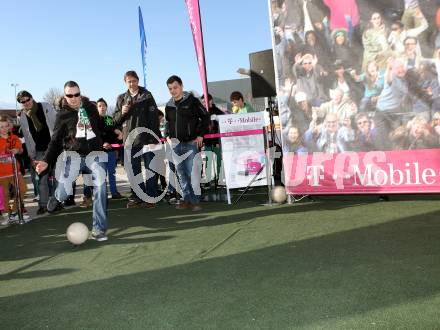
[[97, 171], [149, 187], [111, 170], [189, 170]]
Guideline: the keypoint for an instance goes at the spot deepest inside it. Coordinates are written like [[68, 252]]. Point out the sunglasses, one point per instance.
[[73, 95], [24, 101]]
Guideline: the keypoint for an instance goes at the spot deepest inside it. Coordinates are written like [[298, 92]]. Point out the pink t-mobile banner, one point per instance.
[[196, 29], [358, 95], [403, 171]]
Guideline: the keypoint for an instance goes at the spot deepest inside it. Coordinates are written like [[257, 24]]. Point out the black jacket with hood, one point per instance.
[[143, 113], [186, 119], [64, 132]]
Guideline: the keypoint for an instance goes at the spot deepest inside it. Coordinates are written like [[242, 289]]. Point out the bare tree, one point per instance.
[[52, 96]]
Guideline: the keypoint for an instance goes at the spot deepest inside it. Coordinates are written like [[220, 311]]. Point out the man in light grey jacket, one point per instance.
[[37, 121]]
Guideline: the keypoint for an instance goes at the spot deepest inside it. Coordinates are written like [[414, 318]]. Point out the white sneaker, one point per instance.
[[5, 221], [14, 217]]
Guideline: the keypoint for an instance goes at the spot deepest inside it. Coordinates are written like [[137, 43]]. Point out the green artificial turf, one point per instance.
[[336, 263]]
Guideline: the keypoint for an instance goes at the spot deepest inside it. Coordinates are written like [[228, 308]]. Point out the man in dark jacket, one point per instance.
[[187, 121], [136, 108], [77, 131], [37, 121]]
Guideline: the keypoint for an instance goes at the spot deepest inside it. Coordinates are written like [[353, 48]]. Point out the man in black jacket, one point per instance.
[[37, 121], [136, 108], [187, 121], [77, 132]]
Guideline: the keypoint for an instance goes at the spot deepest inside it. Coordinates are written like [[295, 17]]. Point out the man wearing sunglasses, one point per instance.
[[79, 131], [37, 121]]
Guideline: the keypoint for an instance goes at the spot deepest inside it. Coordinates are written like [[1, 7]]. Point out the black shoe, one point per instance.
[[171, 197], [117, 196], [70, 201], [98, 236], [168, 196], [53, 205], [41, 210], [206, 186]]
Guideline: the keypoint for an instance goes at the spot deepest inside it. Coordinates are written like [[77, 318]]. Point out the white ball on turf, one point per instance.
[[77, 233], [279, 194]]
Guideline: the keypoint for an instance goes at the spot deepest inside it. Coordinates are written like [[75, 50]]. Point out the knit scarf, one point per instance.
[[32, 114], [83, 117]]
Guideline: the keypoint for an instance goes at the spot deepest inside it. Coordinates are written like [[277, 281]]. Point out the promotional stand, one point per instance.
[[244, 151]]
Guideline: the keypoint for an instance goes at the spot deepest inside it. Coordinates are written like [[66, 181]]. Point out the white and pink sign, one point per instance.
[[243, 153]]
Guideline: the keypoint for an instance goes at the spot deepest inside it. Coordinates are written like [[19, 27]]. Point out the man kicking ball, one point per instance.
[[78, 134]]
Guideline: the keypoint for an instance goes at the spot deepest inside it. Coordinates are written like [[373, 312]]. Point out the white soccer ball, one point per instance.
[[279, 194], [77, 233]]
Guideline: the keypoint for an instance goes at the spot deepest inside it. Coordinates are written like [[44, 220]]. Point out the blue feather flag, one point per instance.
[[143, 46]]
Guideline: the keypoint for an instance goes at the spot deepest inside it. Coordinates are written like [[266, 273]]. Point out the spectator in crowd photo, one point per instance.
[[366, 138], [344, 14], [373, 80], [317, 12], [420, 135], [398, 35], [339, 104], [301, 113], [310, 78], [411, 56], [374, 40], [399, 138], [325, 137], [293, 20], [346, 133], [340, 78], [342, 52], [392, 101], [429, 83], [294, 142], [282, 62], [319, 49], [419, 98]]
